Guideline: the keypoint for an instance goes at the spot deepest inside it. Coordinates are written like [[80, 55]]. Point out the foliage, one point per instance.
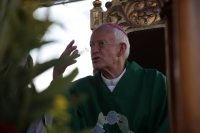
[[20, 104]]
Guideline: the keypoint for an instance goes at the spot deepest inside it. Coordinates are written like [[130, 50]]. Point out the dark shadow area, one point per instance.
[[148, 48]]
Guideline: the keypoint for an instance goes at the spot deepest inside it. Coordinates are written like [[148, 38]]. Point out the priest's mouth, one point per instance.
[[95, 59]]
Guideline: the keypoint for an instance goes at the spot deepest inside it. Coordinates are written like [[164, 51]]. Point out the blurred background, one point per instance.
[[72, 21]]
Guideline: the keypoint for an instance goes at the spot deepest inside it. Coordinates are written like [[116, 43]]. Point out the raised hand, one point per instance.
[[69, 51]]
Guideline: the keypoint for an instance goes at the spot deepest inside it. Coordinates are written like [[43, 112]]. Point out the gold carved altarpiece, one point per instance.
[[132, 15]]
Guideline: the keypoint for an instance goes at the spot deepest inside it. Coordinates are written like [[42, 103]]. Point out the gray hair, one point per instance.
[[120, 37]]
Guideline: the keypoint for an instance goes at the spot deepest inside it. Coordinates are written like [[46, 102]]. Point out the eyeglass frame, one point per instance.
[[99, 46]]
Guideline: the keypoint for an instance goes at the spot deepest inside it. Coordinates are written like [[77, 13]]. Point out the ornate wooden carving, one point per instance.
[[96, 15], [133, 15]]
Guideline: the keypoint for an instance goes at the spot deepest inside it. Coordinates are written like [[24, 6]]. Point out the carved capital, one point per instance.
[[96, 3]]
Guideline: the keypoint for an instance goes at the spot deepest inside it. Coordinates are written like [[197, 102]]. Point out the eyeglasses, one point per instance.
[[99, 44]]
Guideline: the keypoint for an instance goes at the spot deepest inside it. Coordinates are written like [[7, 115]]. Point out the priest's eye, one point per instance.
[[91, 45], [101, 44]]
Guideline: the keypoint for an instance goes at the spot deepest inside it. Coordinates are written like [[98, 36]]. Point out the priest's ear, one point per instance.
[[122, 49]]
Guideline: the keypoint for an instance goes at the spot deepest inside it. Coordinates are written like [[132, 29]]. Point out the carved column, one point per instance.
[[188, 41], [172, 59], [96, 15]]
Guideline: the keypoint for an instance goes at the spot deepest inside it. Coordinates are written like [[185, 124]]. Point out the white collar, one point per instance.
[[111, 83]]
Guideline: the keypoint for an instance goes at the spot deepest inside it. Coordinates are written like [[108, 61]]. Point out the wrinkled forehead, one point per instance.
[[104, 29], [103, 33]]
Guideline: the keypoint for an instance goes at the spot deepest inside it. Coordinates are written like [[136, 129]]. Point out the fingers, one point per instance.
[[71, 43], [69, 49], [75, 52], [58, 71], [70, 63]]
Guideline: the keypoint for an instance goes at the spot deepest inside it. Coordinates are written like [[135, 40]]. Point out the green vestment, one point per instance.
[[138, 103]]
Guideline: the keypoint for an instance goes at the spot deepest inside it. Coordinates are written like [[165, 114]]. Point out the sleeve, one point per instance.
[[158, 121]]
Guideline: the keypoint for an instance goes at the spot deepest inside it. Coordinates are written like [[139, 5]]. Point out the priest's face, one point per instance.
[[103, 49]]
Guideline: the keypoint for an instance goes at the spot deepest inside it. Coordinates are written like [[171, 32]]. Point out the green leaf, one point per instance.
[[19, 34], [40, 68], [57, 86], [41, 102]]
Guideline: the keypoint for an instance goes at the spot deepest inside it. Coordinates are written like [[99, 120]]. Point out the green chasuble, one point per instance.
[[138, 103]]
